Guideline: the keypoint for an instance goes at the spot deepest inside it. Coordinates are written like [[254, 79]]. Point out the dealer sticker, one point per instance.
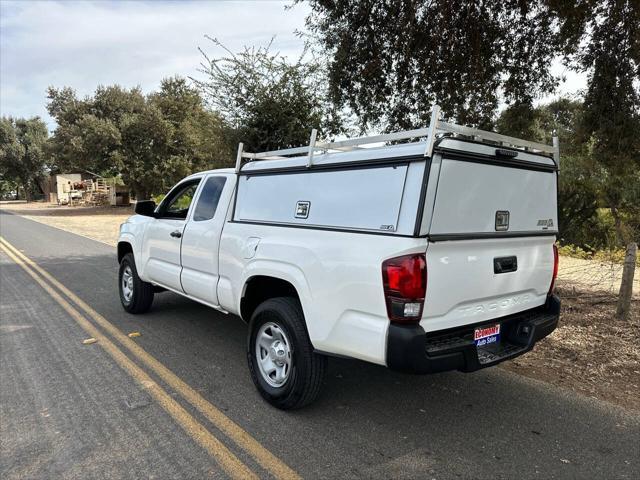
[[486, 335]]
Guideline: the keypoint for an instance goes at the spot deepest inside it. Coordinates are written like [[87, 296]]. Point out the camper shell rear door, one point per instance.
[[491, 220]]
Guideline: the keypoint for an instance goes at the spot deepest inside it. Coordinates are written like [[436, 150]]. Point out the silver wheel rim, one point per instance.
[[127, 284], [273, 352]]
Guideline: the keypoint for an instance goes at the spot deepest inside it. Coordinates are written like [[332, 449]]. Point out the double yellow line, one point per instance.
[[227, 460]]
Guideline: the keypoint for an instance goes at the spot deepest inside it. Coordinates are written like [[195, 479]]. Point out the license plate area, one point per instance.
[[487, 335]]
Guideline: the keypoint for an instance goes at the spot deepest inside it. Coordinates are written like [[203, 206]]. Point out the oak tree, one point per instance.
[[268, 101], [390, 60], [23, 157]]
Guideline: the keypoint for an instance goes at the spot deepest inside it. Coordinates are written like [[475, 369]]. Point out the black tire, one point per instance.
[[141, 298], [307, 371]]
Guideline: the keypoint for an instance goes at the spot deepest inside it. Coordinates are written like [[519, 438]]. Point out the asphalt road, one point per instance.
[[69, 410]]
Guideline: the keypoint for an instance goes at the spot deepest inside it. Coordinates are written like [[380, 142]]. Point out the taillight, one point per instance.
[[405, 285], [555, 269]]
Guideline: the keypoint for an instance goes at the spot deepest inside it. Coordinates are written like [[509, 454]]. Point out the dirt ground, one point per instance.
[[98, 223], [594, 276], [591, 352]]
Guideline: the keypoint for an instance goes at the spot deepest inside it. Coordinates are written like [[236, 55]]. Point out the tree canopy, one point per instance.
[[151, 141], [578, 198], [268, 101], [602, 38], [390, 60], [23, 155]]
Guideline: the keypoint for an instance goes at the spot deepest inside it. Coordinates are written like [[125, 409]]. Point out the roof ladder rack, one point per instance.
[[435, 127], [312, 147], [432, 130]]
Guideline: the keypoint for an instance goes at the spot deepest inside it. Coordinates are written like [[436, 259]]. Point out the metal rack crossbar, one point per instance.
[[435, 127]]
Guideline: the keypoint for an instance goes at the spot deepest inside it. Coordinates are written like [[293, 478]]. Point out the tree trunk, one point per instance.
[[44, 185], [626, 286], [141, 193], [27, 191], [620, 231]]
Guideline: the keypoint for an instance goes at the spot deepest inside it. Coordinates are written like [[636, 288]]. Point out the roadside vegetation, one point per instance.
[[615, 255]]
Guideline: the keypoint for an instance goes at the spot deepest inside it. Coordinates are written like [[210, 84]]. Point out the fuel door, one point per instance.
[[250, 247]]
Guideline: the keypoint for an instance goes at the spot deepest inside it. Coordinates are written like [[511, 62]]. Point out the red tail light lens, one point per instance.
[[405, 286], [555, 268]]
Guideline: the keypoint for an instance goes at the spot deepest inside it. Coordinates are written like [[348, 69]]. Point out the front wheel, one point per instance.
[[136, 295], [283, 365]]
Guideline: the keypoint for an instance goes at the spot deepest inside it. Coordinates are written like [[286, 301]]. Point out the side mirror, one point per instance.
[[146, 208]]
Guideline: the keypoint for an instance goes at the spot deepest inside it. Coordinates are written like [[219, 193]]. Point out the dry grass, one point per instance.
[[594, 276]]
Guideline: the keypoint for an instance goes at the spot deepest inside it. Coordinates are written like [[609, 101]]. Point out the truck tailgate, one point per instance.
[[490, 252]]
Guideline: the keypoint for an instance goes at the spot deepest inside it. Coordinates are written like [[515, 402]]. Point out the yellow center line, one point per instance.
[[223, 456], [237, 434]]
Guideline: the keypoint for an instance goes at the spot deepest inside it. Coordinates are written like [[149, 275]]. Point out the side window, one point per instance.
[[209, 197], [177, 205]]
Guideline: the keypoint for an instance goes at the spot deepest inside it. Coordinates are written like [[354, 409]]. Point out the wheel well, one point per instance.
[[261, 288], [123, 249]]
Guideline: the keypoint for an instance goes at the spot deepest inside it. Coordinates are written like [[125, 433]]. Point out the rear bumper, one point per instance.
[[410, 349]]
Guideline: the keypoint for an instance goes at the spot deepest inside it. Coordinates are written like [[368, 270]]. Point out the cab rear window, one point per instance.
[[209, 198]]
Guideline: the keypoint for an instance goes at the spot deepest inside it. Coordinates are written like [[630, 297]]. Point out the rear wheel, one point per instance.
[[136, 295], [283, 365]]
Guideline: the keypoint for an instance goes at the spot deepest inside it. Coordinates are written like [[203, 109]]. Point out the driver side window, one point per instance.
[[178, 203]]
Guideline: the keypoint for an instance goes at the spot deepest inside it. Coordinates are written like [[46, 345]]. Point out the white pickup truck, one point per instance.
[[423, 257]]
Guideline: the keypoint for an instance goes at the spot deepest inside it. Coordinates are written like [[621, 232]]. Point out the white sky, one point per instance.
[[85, 44]]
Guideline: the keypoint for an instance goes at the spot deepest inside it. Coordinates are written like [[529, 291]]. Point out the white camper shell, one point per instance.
[[425, 256]]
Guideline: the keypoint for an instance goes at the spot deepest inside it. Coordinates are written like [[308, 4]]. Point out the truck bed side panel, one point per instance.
[[338, 276]]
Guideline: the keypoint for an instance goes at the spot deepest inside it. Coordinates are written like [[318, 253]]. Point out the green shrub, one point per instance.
[[615, 255], [158, 198]]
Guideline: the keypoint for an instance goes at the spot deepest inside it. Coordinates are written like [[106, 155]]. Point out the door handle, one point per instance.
[[176, 234]]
